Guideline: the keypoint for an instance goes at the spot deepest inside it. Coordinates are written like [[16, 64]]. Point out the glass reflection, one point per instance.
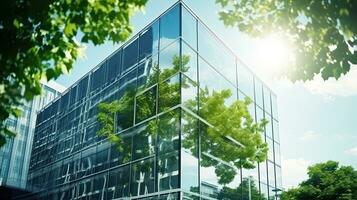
[[169, 93], [169, 61], [130, 55], [118, 183], [168, 171], [142, 177], [144, 141], [146, 104], [189, 153], [148, 41], [189, 28], [169, 26]]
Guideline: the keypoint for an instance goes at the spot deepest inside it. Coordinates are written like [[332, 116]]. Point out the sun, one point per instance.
[[274, 54]]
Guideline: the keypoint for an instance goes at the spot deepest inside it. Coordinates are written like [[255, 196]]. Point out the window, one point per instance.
[[142, 177], [189, 28], [271, 175], [82, 87], [268, 127], [148, 41], [146, 104], [263, 172], [267, 103], [169, 93], [189, 93], [274, 106], [121, 154], [170, 26], [114, 66], [118, 184], [168, 132], [97, 77], [169, 61], [148, 73], [130, 55], [277, 153], [245, 80], [276, 130], [144, 141], [189, 153], [216, 54], [189, 62], [259, 93], [271, 149], [73, 96], [168, 174]]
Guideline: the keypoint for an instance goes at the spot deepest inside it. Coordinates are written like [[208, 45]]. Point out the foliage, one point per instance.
[[242, 191], [38, 41], [327, 181], [324, 33], [233, 121]]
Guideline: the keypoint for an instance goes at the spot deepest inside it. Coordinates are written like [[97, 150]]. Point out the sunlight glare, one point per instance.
[[274, 54]]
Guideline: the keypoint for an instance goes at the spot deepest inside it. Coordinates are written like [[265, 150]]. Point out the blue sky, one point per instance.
[[317, 119]]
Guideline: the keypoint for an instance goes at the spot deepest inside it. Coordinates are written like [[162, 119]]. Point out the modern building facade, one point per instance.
[[161, 78], [15, 154]]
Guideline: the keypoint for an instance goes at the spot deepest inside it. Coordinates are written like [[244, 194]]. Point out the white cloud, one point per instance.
[[352, 151], [345, 86], [309, 136], [294, 172]]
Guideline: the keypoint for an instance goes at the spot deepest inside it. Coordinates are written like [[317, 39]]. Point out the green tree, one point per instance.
[[327, 181], [39, 42], [324, 33]]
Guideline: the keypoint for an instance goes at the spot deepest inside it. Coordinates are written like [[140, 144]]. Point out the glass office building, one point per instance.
[[162, 77], [15, 154]]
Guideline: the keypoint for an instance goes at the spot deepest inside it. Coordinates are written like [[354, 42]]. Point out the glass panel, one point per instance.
[[189, 28], [130, 55], [267, 103], [276, 130], [216, 54], [114, 66], [142, 177], [148, 41], [189, 153], [169, 93], [271, 149], [120, 154], [277, 153], [210, 82], [146, 104], [250, 189], [168, 132], [278, 177], [268, 127], [263, 172], [169, 61], [274, 106], [189, 91], [118, 185], [168, 174], [170, 26], [144, 141], [217, 177], [245, 80], [97, 78], [189, 62], [148, 73], [271, 172], [264, 191], [126, 97], [258, 93]]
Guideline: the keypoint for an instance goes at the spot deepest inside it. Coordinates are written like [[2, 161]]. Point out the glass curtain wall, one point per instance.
[[161, 77]]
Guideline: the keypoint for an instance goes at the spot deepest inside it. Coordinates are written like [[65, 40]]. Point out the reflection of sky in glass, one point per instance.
[[189, 171], [169, 27], [216, 54]]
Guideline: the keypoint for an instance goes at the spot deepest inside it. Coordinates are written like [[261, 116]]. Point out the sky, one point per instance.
[[317, 118]]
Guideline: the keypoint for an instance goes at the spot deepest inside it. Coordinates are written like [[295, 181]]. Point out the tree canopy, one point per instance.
[[39, 42], [323, 33], [327, 181]]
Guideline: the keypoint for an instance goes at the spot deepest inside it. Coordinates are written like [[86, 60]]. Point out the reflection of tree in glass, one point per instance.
[[241, 192], [231, 136]]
